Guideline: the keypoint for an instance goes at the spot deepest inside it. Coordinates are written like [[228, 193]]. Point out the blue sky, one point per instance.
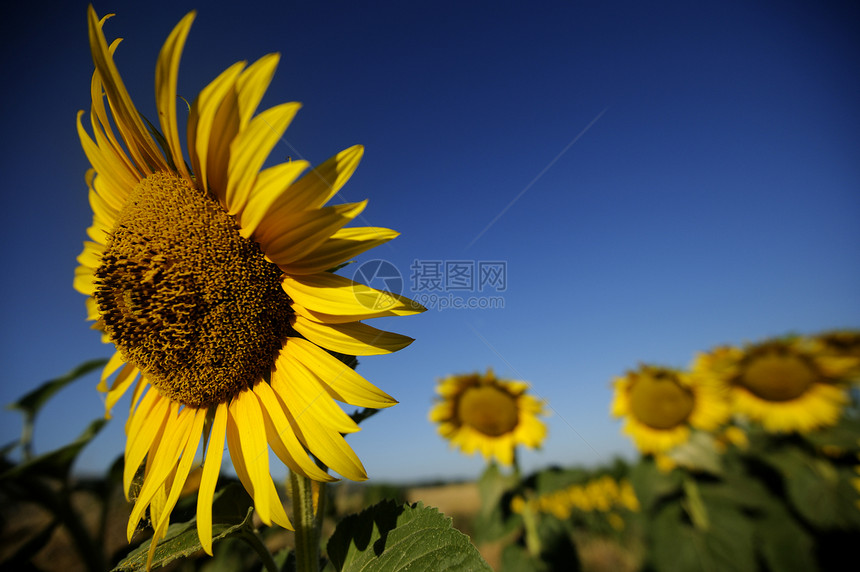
[[657, 181]]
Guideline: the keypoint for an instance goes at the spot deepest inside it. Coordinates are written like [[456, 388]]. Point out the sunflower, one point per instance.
[[211, 280], [482, 413], [842, 346], [661, 405], [787, 385]]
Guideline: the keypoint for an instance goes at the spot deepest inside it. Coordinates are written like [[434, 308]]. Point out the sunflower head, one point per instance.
[[478, 412], [839, 353], [661, 405], [211, 278], [789, 384]]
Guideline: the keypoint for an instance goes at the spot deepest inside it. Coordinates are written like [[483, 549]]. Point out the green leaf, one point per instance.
[[388, 537], [516, 558], [557, 549], [726, 545], [365, 413], [23, 556], [651, 485], [554, 479], [816, 488], [698, 454], [56, 463], [494, 488], [349, 360], [33, 401], [181, 541], [843, 435], [229, 519], [785, 545]]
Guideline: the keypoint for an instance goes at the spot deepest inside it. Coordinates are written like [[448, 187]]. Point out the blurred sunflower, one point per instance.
[[627, 496], [786, 385], [842, 346], [661, 405], [482, 413], [211, 281]]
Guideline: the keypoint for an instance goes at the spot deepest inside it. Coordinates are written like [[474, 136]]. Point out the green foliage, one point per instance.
[[495, 489], [723, 542], [652, 485], [44, 479], [388, 537], [785, 502], [844, 435], [816, 488], [374, 493], [57, 463], [32, 402], [232, 517]]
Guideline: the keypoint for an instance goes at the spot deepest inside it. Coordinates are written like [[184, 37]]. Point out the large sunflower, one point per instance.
[[661, 405], [211, 281], [794, 384], [482, 413]]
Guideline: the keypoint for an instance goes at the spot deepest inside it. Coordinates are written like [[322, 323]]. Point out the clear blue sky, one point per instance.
[[715, 197]]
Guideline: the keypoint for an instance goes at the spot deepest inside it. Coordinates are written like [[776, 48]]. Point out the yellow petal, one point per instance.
[[159, 500], [202, 118], [249, 151], [185, 461], [137, 138], [102, 211], [325, 444], [271, 183], [101, 123], [353, 338], [252, 437], [114, 363], [282, 438], [224, 129], [260, 491], [252, 84], [344, 244], [120, 385], [104, 164], [139, 389], [146, 430], [166, 72], [318, 186], [343, 300], [342, 382], [91, 256], [303, 390], [84, 280], [211, 470], [163, 462], [301, 232]]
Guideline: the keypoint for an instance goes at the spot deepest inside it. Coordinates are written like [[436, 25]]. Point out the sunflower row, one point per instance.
[[795, 384], [603, 495]]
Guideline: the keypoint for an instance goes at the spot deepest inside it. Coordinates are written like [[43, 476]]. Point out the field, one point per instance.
[[24, 523]]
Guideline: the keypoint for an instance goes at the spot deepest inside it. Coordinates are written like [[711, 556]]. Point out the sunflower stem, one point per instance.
[[693, 503], [533, 543], [256, 543], [307, 519]]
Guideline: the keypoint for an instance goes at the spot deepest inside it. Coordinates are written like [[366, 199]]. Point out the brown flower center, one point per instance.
[[488, 409], [660, 401], [185, 298], [778, 376]]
